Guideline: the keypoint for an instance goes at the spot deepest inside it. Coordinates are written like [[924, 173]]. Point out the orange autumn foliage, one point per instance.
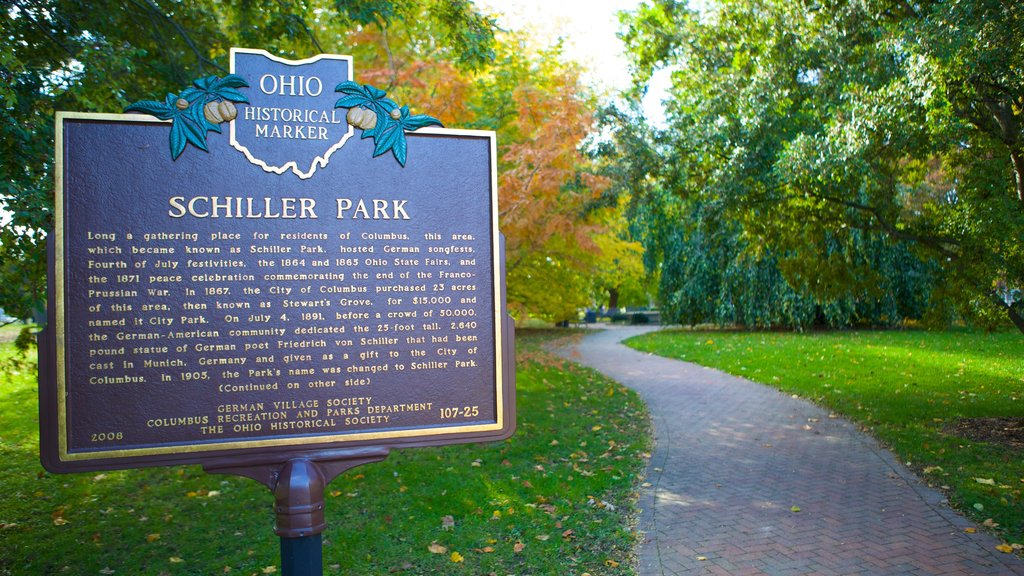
[[542, 115], [428, 85], [535, 201]]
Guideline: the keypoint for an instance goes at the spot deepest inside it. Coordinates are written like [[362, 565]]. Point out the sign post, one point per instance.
[[280, 274]]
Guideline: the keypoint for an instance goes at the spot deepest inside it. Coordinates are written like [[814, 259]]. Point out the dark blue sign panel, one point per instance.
[[274, 292]]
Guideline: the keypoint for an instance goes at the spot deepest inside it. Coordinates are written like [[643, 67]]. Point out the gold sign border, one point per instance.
[[184, 449]]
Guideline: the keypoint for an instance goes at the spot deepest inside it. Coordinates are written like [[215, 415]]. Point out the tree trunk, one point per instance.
[[1018, 173], [613, 298], [1009, 133], [1014, 315], [1016, 318]]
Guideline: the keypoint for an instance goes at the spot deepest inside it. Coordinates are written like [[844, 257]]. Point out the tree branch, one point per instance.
[[26, 13], [201, 59], [1011, 312], [305, 27], [1008, 133], [939, 244], [387, 50]]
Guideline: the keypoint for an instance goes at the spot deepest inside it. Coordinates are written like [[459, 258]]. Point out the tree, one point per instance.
[[440, 56], [619, 278], [541, 113], [102, 55], [817, 129]]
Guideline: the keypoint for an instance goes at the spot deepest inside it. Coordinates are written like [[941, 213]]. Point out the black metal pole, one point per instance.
[[302, 556], [299, 507], [298, 485]]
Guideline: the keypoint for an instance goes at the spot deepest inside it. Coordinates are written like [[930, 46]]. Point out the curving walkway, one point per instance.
[[732, 460]]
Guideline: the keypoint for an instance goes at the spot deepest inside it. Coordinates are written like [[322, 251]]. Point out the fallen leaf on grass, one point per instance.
[[985, 481], [484, 550], [456, 557], [518, 547], [611, 563], [269, 570], [436, 548], [447, 522], [107, 571], [175, 560], [152, 538], [542, 537]]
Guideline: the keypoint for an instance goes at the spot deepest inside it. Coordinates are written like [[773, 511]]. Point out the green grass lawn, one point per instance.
[[909, 389], [557, 498]]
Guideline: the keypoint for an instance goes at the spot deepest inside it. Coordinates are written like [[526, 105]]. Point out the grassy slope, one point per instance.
[[905, 387], [558, 498]]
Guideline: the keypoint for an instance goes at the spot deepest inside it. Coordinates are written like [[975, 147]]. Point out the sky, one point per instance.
[[588, 29]]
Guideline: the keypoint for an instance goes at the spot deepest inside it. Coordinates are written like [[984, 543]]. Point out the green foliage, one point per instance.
[[624, 158], [815, 130], [546, 287], [20, 358], [462, 34], [441, 54], [100, 56], [910, 389], [714, 274], [563, 487]]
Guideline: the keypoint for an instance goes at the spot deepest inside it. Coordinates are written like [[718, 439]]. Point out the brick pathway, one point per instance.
[[732, 459]]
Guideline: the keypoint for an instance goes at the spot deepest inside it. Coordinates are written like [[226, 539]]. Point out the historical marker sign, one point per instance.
[[311, 280]]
